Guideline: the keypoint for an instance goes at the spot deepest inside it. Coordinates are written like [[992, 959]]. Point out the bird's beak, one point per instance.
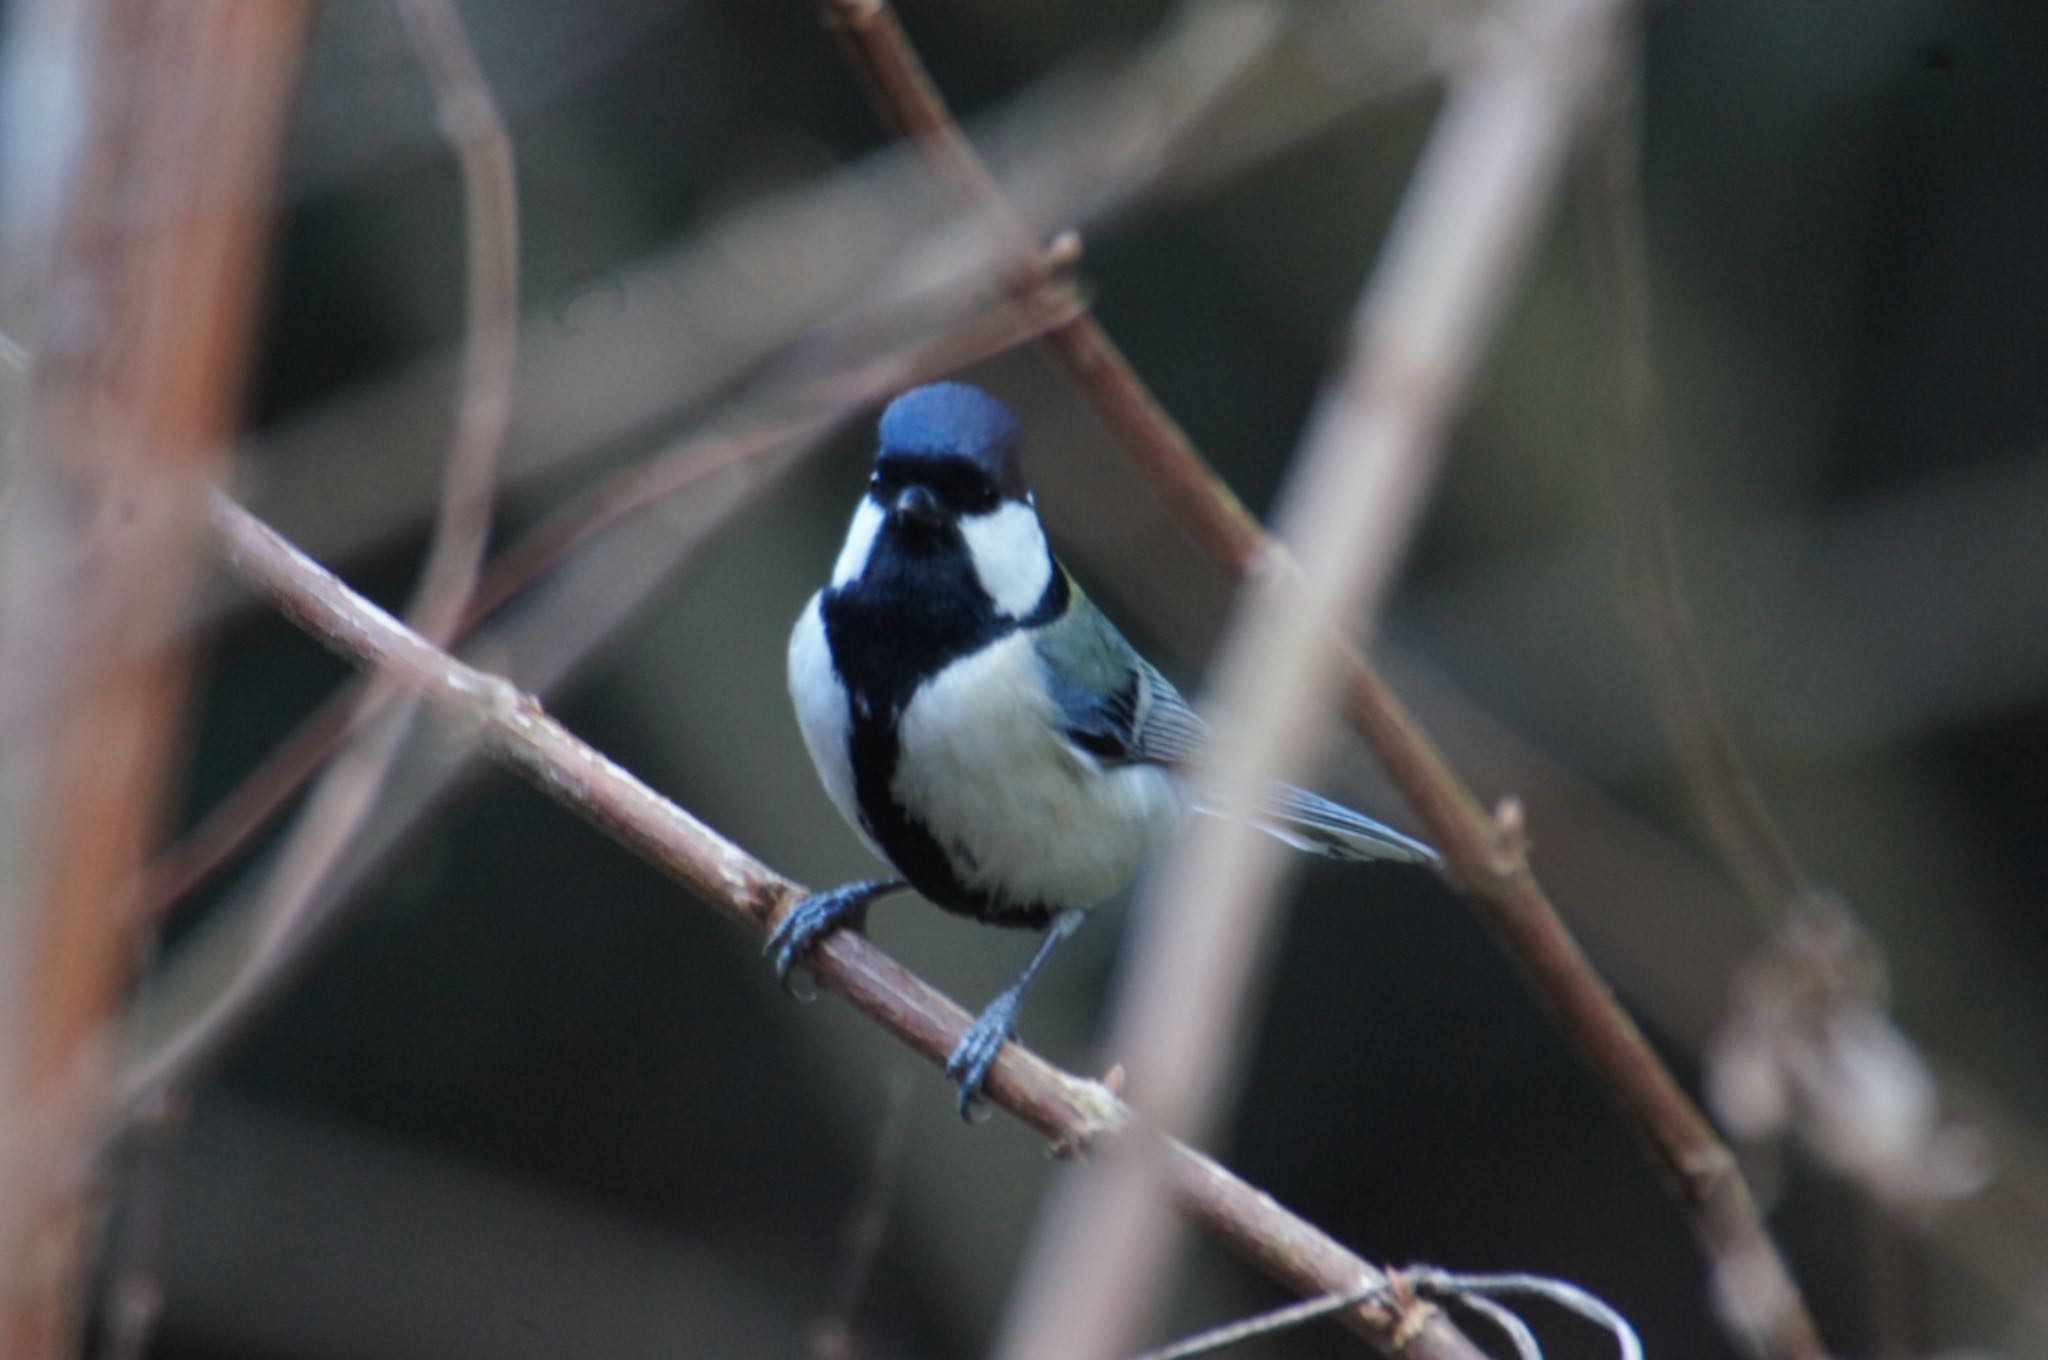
[[917, 506]]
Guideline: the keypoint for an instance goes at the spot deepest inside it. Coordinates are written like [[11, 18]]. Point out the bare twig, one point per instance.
[[512, 728], [469, 118], [1436, 1282], [1490, 866], [1477, 1292], [158, 250]]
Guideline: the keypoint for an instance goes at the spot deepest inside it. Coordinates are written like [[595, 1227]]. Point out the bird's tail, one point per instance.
[[1313, 823]]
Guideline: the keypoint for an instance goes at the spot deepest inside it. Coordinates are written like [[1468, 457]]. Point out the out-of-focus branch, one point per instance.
[[1474, 209], [469, 118], [1694, 721], [158, 253], [289, 924], [1487, 855], [511, 726]]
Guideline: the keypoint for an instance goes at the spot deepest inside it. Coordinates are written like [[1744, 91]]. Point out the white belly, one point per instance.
[[1021, 813]]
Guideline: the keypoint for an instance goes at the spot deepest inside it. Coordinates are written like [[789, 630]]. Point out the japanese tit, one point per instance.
[[983, 727]]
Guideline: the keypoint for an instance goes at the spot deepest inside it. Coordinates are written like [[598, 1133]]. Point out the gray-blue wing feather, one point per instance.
[[1309, 821], [1113, 703], [1116, 706]]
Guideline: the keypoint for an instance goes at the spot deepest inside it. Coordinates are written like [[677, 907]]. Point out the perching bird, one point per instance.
[[981, 724]]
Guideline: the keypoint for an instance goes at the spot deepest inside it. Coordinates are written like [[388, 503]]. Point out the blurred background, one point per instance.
[[531, 1101]]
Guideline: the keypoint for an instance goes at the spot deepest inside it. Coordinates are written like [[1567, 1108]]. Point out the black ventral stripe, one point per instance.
[[916, 609]]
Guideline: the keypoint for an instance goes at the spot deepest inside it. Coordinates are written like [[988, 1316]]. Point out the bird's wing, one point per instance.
[[1116, 706], [1311, 822], [1112, 703]]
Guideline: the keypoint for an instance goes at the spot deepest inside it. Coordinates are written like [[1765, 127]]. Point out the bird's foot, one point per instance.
[[969, 1063], [815, 917]]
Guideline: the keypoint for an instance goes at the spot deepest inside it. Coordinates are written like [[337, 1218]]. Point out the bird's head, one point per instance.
[[947, 480], [948, 453]]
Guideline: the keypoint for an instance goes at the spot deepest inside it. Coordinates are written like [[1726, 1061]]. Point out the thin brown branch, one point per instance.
[[1487, 858], [158, 253], [476, 134], [512, 727]]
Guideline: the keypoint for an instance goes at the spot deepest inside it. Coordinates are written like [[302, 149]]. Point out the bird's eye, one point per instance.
[[972, 494]]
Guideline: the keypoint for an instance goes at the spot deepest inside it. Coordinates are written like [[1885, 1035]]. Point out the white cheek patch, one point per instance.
[[1010, 557], [860, 539]]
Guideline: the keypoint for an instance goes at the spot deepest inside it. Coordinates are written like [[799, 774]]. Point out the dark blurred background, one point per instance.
[[534, 1102]]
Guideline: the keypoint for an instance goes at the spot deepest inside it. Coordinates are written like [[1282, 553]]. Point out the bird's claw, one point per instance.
[[808, 922], [788, 944], [969, 1063]]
